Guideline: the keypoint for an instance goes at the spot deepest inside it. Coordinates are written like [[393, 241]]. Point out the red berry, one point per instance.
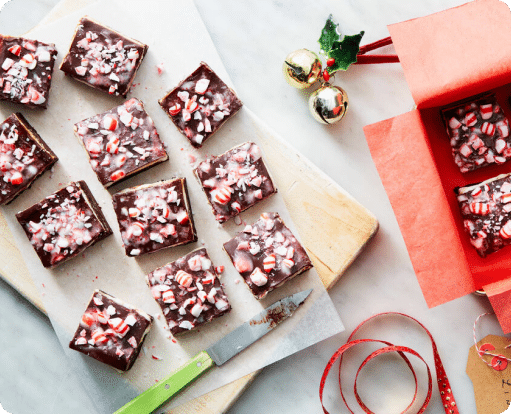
[[326, 75], [330, 62]]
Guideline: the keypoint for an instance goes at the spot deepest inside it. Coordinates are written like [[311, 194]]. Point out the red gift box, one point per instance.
[[446, 57]]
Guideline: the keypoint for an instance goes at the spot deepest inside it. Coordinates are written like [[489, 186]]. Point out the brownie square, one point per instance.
[[26, 68], [267, 255], [154, 216], [103, 58], [200, 105], [486, 212], [111, 331], [121, 142], [64, 224], [479, 133], [188, 291], [24, 156], [235, 180]]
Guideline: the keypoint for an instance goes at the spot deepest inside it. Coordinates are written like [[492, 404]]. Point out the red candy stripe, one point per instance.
[[443, 383]]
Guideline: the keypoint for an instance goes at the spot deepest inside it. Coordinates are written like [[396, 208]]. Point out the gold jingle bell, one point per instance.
[[328, 104], [302, 68]]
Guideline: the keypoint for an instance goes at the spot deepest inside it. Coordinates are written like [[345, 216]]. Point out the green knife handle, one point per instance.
[[166, 388]]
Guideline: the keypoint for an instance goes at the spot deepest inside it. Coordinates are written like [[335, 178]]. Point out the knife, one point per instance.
[[217, 354]]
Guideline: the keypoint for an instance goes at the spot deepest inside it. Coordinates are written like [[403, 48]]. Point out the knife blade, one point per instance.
[[217, 354]]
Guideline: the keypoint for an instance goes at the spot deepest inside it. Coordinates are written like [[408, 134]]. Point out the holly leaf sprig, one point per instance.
[[341, 51]]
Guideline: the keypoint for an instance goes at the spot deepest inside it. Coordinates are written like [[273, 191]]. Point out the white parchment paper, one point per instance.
[[178, 40]]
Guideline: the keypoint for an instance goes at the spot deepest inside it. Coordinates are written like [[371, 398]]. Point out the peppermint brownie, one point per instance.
[[235, 180], [121, 142], [479, 133], [200, 105], [24, 156], [111, 331], [26, 68], [267, 255], [64, 224], [152, 217], [188, 291], [103, 58], [486, 212]]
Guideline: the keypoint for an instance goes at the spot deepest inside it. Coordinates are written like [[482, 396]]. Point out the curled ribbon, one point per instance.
[[443, 383]]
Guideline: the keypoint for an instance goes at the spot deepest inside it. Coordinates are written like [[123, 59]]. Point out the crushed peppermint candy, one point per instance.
[[103, 58], [200, 104], [188, 291], [235, 180], [152, 217], [111, 331]]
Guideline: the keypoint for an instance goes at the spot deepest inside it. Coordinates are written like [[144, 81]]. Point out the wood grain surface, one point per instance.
[[333, 227]]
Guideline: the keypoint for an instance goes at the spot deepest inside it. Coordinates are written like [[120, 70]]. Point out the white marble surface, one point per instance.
[[253, 39]]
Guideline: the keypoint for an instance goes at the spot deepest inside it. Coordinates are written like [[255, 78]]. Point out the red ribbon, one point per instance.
[[363, 59], [443, 383]]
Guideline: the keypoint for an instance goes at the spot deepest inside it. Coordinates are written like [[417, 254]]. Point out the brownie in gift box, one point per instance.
[[24, 156], [479, 132], [188, 291], [486, 211], [111, 331]]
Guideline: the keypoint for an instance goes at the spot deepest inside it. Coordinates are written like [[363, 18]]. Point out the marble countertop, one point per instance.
[[253, 39]]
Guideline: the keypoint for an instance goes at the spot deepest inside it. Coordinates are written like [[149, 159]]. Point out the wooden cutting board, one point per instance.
[[332, 225]]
